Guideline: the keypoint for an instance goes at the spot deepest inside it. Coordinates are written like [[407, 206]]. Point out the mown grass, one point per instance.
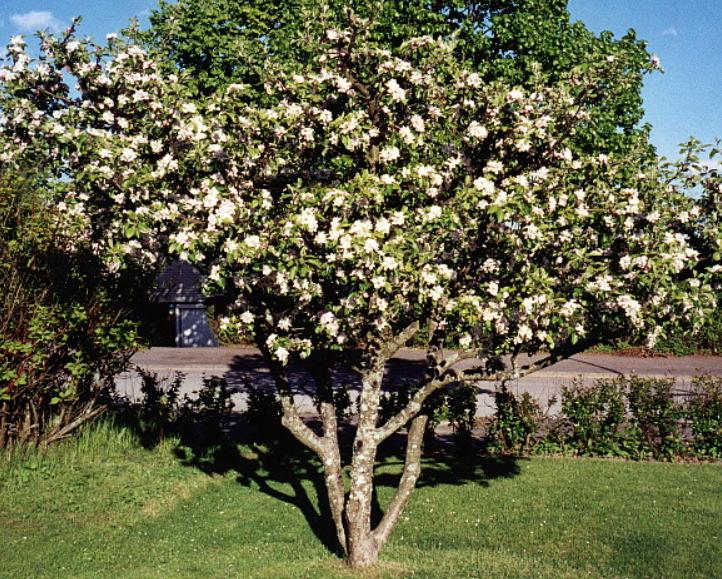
[[103, 506]]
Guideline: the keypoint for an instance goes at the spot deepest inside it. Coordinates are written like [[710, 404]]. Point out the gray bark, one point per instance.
[[362, 546], [412, 470], [333, 471], [351, 512]]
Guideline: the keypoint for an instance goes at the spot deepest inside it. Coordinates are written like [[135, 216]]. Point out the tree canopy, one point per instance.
[[221, 42]]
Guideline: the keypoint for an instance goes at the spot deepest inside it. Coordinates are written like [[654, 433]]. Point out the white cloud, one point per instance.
[[671, 31], [36, 20]]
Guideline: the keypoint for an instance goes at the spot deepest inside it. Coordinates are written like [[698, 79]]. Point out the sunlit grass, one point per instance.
[[102, 506]]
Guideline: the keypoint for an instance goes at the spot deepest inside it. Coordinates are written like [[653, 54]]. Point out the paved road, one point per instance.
[[233, 363]]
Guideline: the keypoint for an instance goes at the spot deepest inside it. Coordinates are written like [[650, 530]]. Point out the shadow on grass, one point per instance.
[[286, 471], [272, 461], [281, 470]]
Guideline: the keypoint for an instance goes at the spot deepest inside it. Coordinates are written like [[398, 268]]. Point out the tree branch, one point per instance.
[[448, 375], [440, 376], [88, 414], [291, 419], [398, 342], [562, 353], [412, 470], [413, 407]]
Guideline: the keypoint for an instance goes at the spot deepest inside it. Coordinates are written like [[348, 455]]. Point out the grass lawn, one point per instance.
[[103, 506]]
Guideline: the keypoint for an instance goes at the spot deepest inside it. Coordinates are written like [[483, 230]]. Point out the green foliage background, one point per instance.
[[219, 42]]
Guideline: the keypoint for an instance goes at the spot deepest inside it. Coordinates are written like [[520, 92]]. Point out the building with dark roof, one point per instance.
[[178, 288]]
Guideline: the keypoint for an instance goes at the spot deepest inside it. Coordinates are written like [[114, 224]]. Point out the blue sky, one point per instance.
[[685, 34]]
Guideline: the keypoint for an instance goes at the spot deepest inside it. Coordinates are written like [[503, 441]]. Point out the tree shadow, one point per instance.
[[251, 367], [278, 468], [449, 465], [270, 459], [287, 471], [445, 462]]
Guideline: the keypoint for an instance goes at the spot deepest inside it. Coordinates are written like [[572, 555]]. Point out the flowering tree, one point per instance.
[[219, 42], [386, 192]]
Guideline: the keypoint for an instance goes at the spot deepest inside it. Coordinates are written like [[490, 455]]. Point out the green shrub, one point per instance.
[[629, 417], [161, 411], [393, 401], [594, 417], [515, 424], [704, 415], [158, 410], [209, 405], [654, 421], [455, 405], [264, 411], [62, 331], [460, 410]]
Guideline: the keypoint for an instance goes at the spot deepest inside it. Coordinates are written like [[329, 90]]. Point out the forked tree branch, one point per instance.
[[399, 341], [449, 376]]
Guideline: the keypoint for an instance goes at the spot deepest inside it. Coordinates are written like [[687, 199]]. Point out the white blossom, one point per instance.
[[514, 95], [307, 220], [128, 155], [281, 354], [477, 131], [395, 91], [252, 241], [389, 154], [484, 185], [418, 123]]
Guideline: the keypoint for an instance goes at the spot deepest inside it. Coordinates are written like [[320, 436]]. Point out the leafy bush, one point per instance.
[[626, 416], [62, 333], [159, 408], [680, 342], [393, 401], [210, 404], [629, 417], [460, 410], [654, 421], [595, 417], [708, 339], [162, 412], [704, 414], [264, 411], [515, 423]]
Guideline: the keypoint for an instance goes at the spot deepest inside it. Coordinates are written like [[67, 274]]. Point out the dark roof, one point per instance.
[[179, 282]]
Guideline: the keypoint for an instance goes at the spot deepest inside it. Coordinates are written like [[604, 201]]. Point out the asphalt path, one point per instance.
[[238, 363]]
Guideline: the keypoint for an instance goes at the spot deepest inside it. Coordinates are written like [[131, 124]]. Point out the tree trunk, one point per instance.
[[363, 550], [364, 544], [362, 547], [333, 471], [412, 470], [352, 514], [336, 495], [331, 457]]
